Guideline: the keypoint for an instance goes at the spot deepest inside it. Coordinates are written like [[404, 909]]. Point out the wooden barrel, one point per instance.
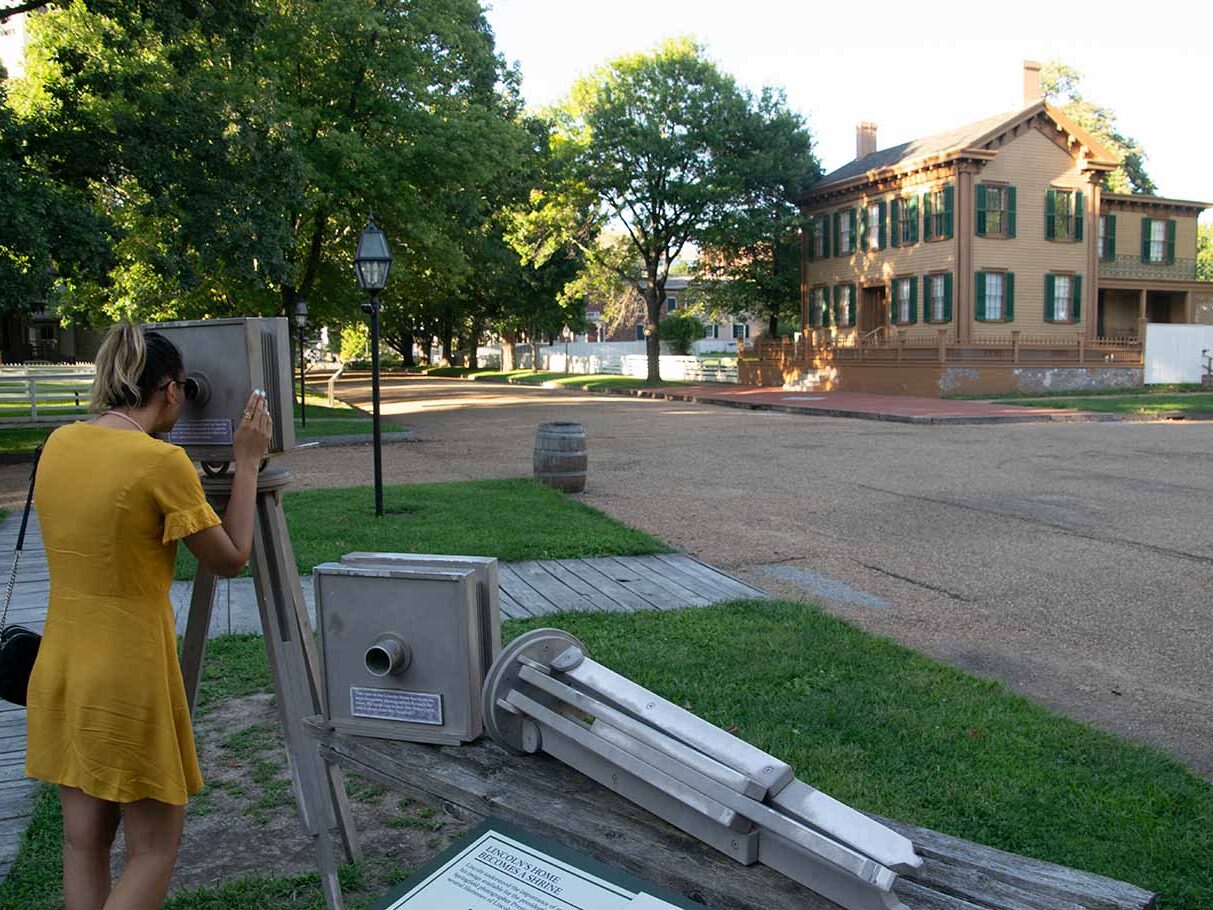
[[560, 456]]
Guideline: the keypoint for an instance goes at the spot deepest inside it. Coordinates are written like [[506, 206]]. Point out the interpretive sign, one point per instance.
[[213, 431], [498, 867]]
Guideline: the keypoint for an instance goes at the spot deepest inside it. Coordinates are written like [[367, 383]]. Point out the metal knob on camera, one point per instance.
[[388, 656]]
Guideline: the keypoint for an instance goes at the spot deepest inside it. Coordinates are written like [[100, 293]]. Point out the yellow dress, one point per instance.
[[107, 712]]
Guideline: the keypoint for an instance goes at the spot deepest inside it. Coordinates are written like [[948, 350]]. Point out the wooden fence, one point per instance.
[[900, 347]]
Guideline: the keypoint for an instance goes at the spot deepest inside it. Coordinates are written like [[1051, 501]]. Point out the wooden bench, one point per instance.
[[541, 795]]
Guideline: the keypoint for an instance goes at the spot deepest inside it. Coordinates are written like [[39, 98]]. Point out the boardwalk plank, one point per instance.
[[596, 596], [524, 595], [509, 607], [678, 595], [622, 586], [562, 596], [731, 587], [704, 583]]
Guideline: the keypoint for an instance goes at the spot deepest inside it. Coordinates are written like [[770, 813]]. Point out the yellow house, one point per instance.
[[996, 233]]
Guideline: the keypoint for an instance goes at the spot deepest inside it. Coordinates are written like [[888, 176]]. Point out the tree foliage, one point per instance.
[[236, 148], [1204, 252], [1060, 84], [673, 151], [680, 332]]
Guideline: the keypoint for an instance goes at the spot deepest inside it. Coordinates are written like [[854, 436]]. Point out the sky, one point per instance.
[[913, 69]]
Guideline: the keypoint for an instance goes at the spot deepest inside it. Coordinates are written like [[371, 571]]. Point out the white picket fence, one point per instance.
[[48, 392], [683, 369]]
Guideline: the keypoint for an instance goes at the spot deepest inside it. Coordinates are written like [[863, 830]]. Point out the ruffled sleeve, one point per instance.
[[176, 489]]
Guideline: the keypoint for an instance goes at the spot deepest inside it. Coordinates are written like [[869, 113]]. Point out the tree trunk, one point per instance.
[[406, 350], [509, 338], [773, 324], [653, 299], [535, 340], [448, 333]]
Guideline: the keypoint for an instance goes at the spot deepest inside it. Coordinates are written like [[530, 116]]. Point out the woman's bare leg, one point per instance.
[[89, 825], [153, 833]]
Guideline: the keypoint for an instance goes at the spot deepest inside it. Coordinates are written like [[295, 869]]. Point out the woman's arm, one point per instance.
[[225, 549]]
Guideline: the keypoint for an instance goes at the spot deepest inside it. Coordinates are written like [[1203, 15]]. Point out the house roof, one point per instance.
[[950, 143]]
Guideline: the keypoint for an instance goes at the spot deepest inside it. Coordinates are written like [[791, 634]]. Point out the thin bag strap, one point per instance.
[[29, 501]]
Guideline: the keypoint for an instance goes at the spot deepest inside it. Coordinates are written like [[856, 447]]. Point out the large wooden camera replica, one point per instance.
[[410, 649]]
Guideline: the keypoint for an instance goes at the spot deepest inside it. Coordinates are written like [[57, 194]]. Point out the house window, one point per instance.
[[672, 303], [937, 220], [904, 288], [1063, 214], [818, 314], [1063, 292], [937, 288], [1103, 237], [741, 330], [905, 221], [711, 331], [640, 331], [1158, 241], [844, 234], [821, 231], [995, 289], [844, 305], [874, 226]]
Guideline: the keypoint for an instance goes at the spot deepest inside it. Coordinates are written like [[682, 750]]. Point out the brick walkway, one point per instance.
[[897, 408]]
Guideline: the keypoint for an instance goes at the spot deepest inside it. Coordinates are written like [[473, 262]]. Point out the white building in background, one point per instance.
[[14, 36]]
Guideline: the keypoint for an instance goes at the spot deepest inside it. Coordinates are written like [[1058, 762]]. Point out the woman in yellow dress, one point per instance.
[[107, 715]]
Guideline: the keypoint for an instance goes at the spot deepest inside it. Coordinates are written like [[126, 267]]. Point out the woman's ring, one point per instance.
[[248, 415]]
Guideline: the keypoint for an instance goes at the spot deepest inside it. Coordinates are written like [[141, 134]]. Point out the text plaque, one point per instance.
[[498, 867]]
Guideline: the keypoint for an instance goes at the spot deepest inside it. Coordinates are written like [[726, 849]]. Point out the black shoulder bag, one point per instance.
[[18, 645]]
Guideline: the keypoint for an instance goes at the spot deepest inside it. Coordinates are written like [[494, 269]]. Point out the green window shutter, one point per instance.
[[979, 308], [1050, 297], [1050, 214], [981, 210], [863, 230], [947, 297], [914, 301], [837, 233], [837, 300], [913, 202], [949, 195], [851, 306], [926, 216], [1076, 306], [809, 231], [1145, 240], [1010, 296], [883, 239], [823, 225], [1080, 213], [1109, 246], [926, 299], [895, 218], [1010, 216], [854, 228], [1171, 241]]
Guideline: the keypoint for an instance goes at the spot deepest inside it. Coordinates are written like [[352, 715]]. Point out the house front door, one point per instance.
[[871, 310]]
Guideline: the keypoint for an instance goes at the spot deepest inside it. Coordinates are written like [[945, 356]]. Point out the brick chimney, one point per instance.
[[865, 139], [1031, 82]]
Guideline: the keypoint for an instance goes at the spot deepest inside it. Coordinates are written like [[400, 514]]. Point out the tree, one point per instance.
[[670, 148], [238, 148], [1060, 84], [680, 332], [1204, 252]]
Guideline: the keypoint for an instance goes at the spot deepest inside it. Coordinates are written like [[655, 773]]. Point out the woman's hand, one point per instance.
[[252, 439]]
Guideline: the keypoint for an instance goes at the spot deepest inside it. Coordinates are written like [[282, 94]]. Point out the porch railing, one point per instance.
[[1131, 267]]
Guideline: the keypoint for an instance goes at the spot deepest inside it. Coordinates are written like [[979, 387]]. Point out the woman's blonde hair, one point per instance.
[[130, 366]]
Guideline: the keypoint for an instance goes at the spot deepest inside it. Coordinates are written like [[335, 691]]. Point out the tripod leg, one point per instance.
[[198, 624]]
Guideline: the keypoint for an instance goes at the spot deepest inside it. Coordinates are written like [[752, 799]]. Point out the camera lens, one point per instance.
[[191, 389]]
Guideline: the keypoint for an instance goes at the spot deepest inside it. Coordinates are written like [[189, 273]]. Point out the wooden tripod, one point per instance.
[[291, 649]]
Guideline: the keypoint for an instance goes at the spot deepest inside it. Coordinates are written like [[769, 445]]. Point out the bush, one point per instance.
[[680, 332]]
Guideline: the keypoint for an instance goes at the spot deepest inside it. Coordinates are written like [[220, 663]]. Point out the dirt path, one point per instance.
[[1073, 562]]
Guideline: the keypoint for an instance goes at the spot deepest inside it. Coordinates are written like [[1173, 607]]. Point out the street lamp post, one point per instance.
[[301, 321], [372, 264]]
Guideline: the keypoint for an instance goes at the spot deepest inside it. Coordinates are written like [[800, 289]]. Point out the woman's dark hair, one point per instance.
[[131, 365]]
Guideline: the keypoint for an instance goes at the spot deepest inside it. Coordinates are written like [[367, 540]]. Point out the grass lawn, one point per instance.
[[22, 439], [339, 420], [864, 719], [1160, 389], [1150, 403], [509, 519]]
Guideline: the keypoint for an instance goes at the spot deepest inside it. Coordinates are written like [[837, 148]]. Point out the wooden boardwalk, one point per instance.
[[28, 608], [668, 581]]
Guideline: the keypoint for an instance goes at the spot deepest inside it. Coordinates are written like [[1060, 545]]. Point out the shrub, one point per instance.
[[680, 332]]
